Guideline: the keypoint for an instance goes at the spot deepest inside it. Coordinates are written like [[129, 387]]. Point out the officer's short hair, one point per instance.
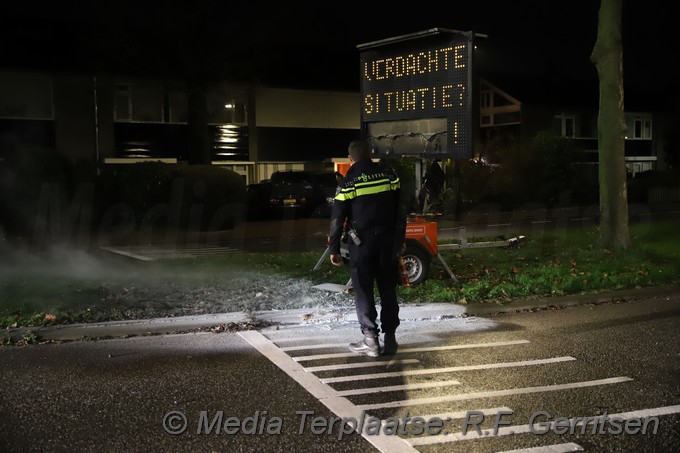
[[359, 150]]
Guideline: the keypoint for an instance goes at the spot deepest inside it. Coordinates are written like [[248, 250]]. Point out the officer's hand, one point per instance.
[[336, 260]]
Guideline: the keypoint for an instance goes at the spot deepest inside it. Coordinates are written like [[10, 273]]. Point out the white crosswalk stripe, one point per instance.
[[345, 372], [346, 366], [493, 393], [411, 350], [521, 429], [452, 369], [557, 448]]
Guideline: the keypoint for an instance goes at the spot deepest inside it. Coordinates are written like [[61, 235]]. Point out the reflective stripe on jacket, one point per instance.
[[366, 186], [368, 197]]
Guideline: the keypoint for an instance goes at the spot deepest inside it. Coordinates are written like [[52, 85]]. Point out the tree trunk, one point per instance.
[[199, 151], [611, 126]]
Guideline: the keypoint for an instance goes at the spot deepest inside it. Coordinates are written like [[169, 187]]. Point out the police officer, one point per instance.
[[367, 201]]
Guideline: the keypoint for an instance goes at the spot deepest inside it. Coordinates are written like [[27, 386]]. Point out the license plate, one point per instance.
[[289, 201]]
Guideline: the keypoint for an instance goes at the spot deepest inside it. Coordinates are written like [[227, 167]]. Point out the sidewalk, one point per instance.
[[408, 312]]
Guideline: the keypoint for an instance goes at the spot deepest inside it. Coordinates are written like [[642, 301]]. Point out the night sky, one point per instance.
[[313, 44]]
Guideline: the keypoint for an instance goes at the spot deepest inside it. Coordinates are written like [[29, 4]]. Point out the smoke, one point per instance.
[[111, 286]]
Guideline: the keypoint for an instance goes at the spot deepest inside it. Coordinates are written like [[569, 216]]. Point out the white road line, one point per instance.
[[340, 406], [493, 393], [344, 366], [524, 429], [403, 350], [314, 346], [556, 448], [462, 414], [397, 388], [541, 221], [453, 369], [644, 413], [128, 254]]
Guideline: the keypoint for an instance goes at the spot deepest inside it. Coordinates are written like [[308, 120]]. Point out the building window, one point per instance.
[[566, 125], [642, 128], [122, 110], [177, 107], [138, 103], [151, 103], [485, 99], [147, 103], [26, 96], [227, 107]]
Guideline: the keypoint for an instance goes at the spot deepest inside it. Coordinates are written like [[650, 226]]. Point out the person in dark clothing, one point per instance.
[[367, 201]]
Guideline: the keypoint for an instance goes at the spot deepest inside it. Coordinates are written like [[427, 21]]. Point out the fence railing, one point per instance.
[[663, 194]]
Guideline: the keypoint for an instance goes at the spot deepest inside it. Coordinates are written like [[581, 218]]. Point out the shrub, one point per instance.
[[474, 182], [538, 171]]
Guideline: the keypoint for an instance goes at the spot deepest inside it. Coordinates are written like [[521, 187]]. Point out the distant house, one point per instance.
[[519, 108]]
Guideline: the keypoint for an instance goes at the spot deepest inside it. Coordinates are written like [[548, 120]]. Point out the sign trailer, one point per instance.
[[416, 94]]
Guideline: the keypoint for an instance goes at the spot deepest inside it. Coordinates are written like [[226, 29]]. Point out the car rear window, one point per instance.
[[290, 177]]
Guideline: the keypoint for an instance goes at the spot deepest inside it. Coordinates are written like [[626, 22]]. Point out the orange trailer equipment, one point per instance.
[[421, 246]]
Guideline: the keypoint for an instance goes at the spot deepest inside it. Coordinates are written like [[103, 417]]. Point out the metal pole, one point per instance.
[[323, 257], [96, 124]]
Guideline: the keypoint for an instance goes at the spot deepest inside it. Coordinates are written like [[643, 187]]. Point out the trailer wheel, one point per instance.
[[417, 264]]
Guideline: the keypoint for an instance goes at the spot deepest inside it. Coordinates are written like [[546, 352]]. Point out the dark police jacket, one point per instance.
[[368, 196]]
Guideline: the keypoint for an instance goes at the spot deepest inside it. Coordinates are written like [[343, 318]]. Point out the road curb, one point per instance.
[[137, 327], [321, 315], [571, 300]]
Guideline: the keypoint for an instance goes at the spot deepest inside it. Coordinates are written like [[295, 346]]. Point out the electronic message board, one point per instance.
[[425, 76]]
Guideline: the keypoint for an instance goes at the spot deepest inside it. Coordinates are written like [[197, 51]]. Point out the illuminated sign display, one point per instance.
[[427, 77]]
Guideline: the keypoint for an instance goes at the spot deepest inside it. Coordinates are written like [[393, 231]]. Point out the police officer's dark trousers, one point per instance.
[[374, 262]]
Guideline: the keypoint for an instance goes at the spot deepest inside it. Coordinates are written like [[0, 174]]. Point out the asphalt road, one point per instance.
[[279, 388]]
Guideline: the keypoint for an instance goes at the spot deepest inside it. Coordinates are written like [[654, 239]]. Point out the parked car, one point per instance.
[[301, 193], [258, 200]]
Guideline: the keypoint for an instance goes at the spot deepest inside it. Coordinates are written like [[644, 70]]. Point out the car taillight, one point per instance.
[[303, 200]]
